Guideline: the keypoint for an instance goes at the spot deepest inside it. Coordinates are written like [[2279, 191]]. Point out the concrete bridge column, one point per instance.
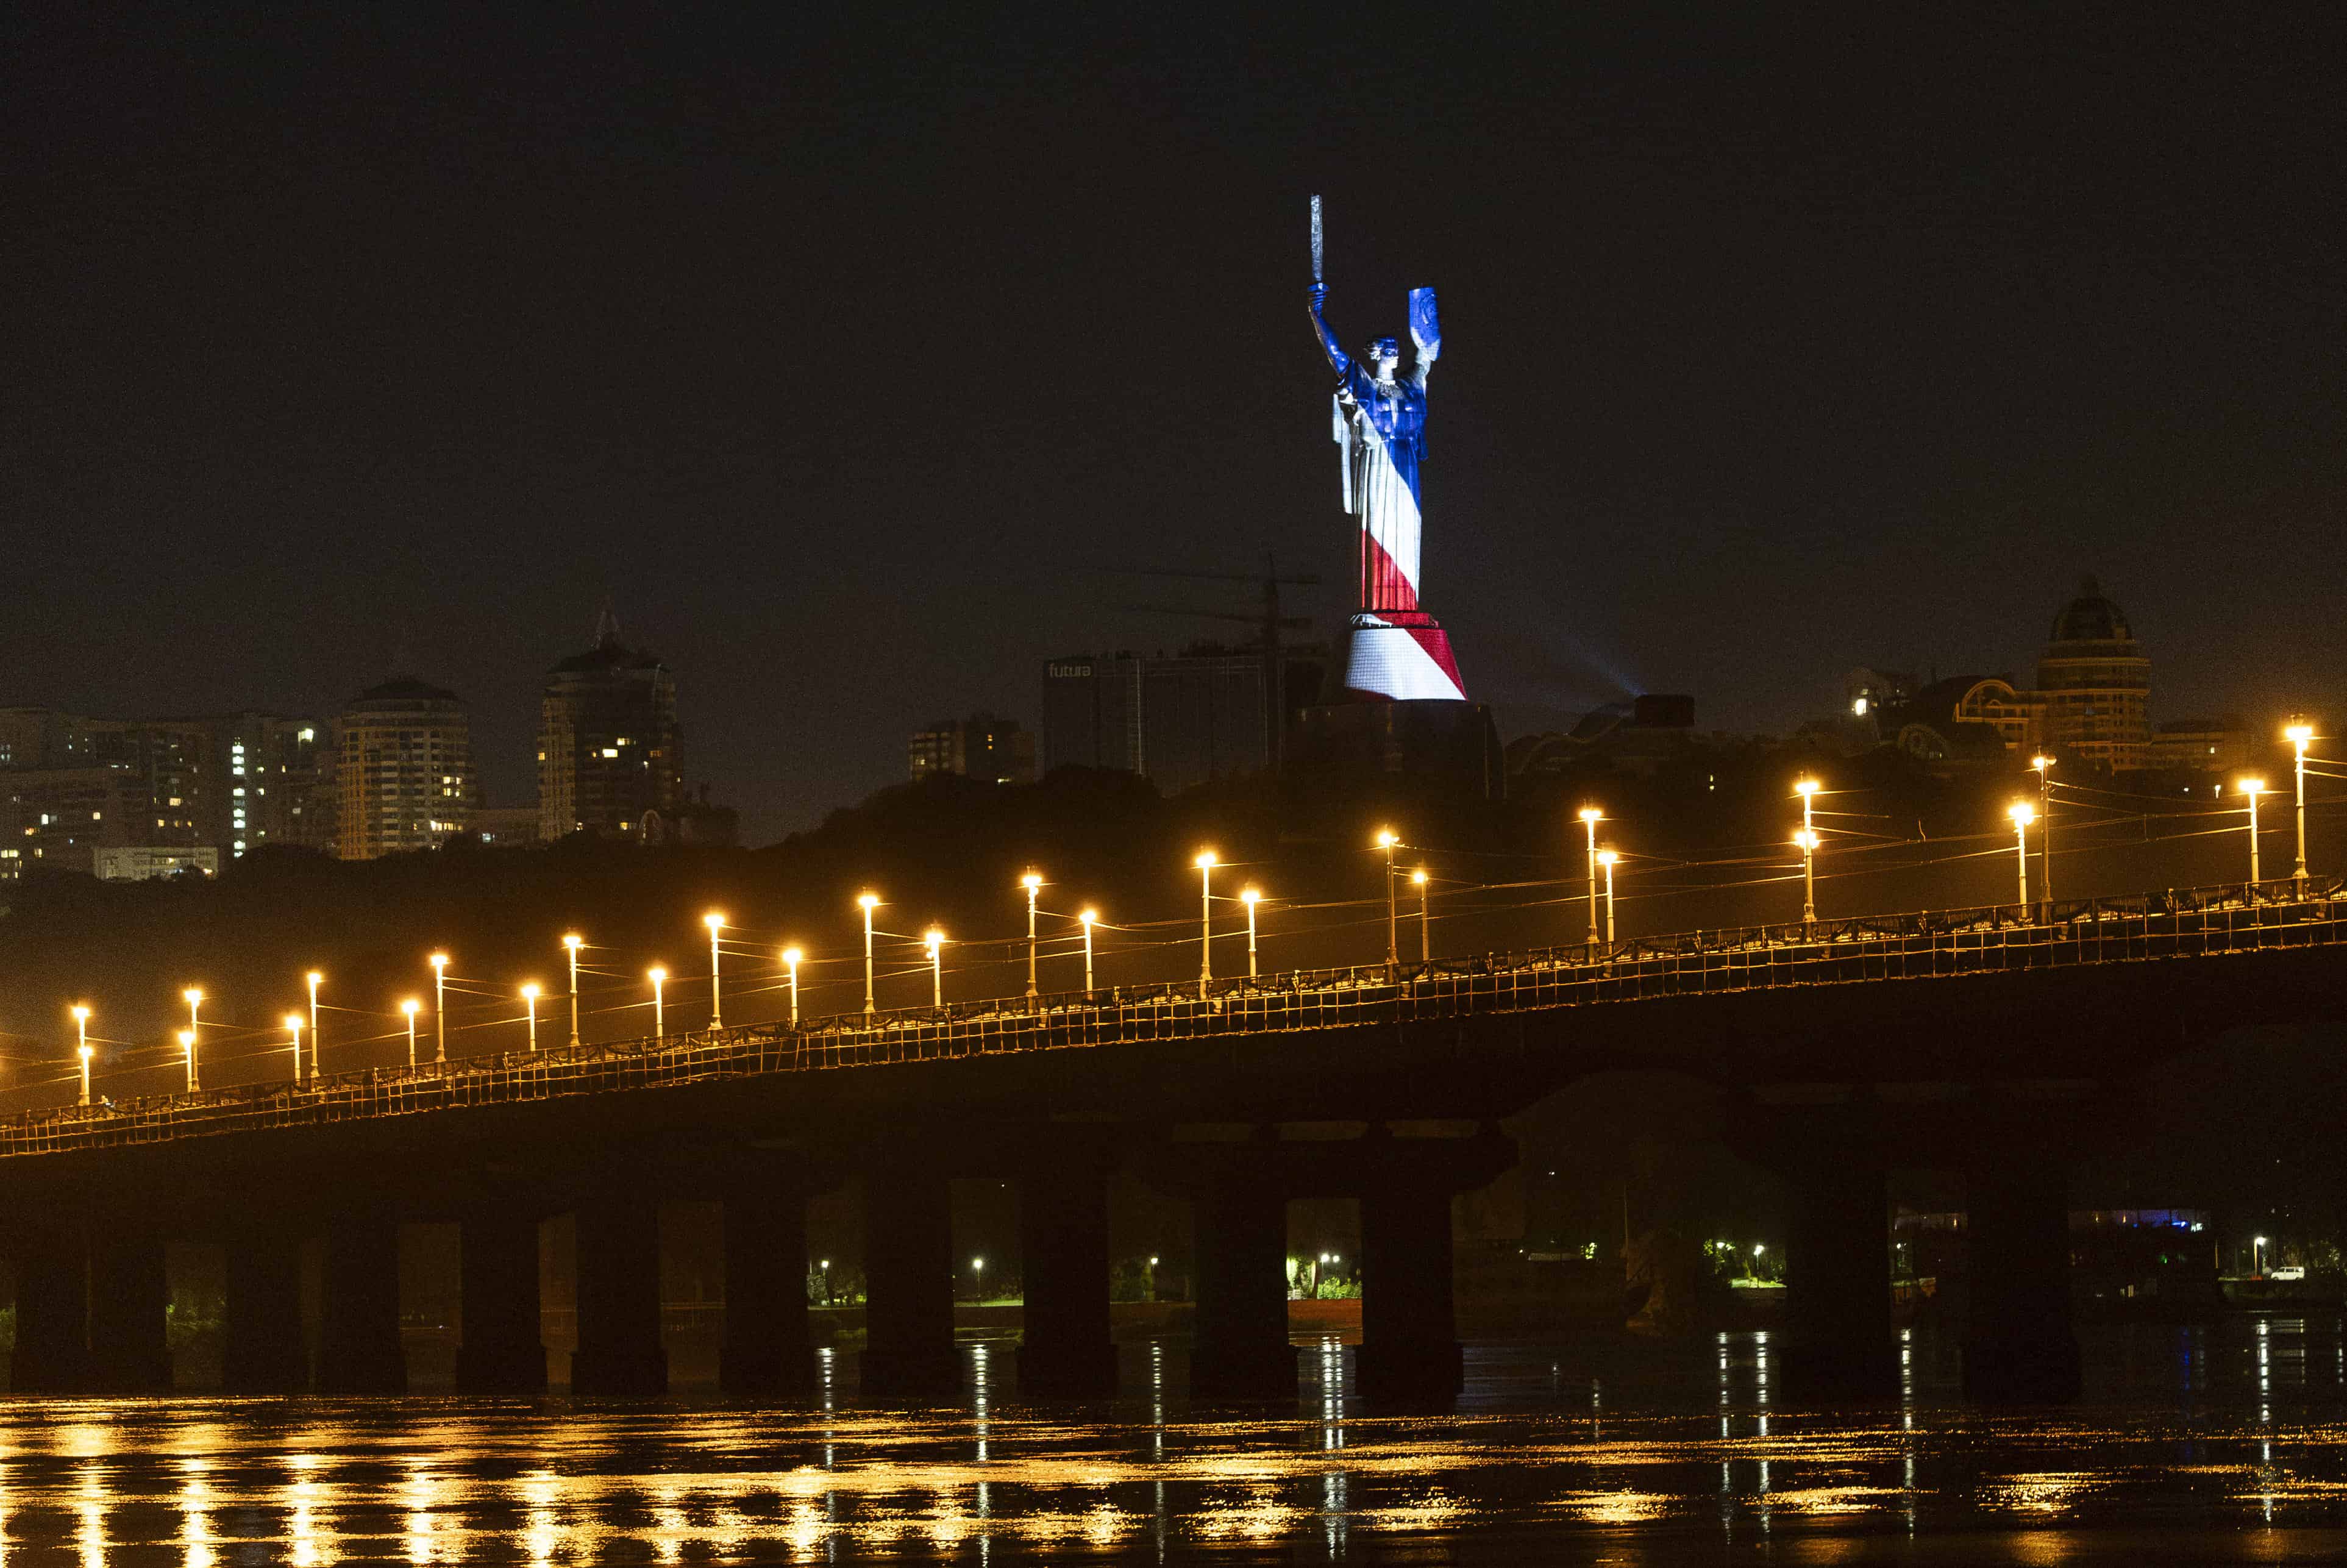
[[359, 1350], [501, 1351], [908, 1284], [264, 1353], [1063, 1253], [2019, 1343], [1240, 1240], [52, 1311], [619, 1351], [1409, 1325], [129, 1349], [769, 1350], [1840, 1340]]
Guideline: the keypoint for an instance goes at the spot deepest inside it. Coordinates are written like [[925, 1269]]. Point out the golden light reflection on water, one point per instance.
[[214, 1483]]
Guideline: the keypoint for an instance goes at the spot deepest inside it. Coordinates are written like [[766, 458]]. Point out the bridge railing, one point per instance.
[[2177, 923]]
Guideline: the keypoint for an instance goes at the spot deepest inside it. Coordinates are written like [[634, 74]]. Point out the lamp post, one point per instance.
[[1608, 858], [194, 997], [2043, 766], [790, 956], [1808, 840], [81, 1047], [1206, 864], [717, 924], [317, 1041], [187, 1044], [656, 975], [2299, 734], [1386, 841], [293, 1028], [570, 946], [865, 901], [1086, 919], [1590, 817], [439, 1007], [1425, 925], [411, 1007], [529, 1001], [2022, 814], [2252, 788], [1031, 882], [2256, 1254], [1250, 898], [936, 939]]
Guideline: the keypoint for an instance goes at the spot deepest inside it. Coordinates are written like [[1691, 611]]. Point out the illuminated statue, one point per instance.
[[1398, 651]]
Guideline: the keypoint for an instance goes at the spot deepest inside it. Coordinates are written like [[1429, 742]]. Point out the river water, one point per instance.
[[2224, 1443]]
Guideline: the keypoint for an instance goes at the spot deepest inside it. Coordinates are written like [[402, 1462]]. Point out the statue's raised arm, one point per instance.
[[1317, 297]]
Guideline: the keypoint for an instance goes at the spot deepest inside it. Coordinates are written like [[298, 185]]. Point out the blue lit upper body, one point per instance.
[[1394, 408]]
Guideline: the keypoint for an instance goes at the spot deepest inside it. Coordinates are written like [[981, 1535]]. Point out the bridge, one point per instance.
[[1976, 1039]]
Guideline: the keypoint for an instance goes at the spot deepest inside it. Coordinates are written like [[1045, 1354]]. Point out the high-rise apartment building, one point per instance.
[[981, 746], [2095, 681], [610, 748], [404, 769]]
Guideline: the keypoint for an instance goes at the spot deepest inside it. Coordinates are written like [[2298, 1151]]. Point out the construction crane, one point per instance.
[[1270, 623]]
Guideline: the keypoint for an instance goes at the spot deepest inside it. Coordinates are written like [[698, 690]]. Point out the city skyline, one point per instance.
[[1824, 360]]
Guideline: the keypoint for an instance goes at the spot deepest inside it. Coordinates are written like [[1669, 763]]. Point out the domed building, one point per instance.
[[405, 773], [2093, 682]]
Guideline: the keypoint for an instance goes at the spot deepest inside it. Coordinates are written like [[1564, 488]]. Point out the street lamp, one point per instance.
[[81, 1046], [2256, 1254], [656, 975], [439, 1007], [294, 1027], [2022, 814], [1808, 840], [1032, 881], [194, 997], [1086, 920], [1609, 858], [1386, 841], [529, 1000], [936, 939], [570, 946], [1425, 925], [411, 1007], [2252, 788], [717, 924], [865, 901], [317, 979], [2043, 765], [1590, 817], [977, 1271], [187, 1044], [2299, 734], [790, 956], [1206, 864], [1250, 898]]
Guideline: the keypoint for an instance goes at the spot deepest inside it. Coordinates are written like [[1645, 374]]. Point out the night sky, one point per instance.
[[855, 353]]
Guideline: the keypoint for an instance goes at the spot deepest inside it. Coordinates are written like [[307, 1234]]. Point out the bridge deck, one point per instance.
[[2179, 924]]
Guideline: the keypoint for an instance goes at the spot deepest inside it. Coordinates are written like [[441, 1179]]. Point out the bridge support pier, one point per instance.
[[52, 1311], [768, 1350], [1839, 1342], [908, 1283], [1064, 1253], [359, 1350], [130, 1347], [1241, 1350], [264, 1354], [502, 1350], [2019, 1343], [1409, 1325], [619, 1351]]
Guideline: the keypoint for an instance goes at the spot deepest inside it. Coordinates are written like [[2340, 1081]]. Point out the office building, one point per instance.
[[982, 746], [1177, 721], [609, 749], [404, 769]]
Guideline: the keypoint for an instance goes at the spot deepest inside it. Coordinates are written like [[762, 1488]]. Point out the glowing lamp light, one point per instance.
[[2298, 735], [1206, 860], [2021, 812], [574, 942], [2040, 763], [1032, 881], [792, 956], [867, 900], [656, 974], [294, 1021], [934, 937], [191, 996], [714, 920], [438, 960], [1386, 839], [81, 1015], [1252, 894], [186, 1038], [411, 1007], [1806, 839], [1088, 916], [1591, 813], [1805, 786], [1418, 878], [529, 993], [1604, 858], [2251, 786]]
